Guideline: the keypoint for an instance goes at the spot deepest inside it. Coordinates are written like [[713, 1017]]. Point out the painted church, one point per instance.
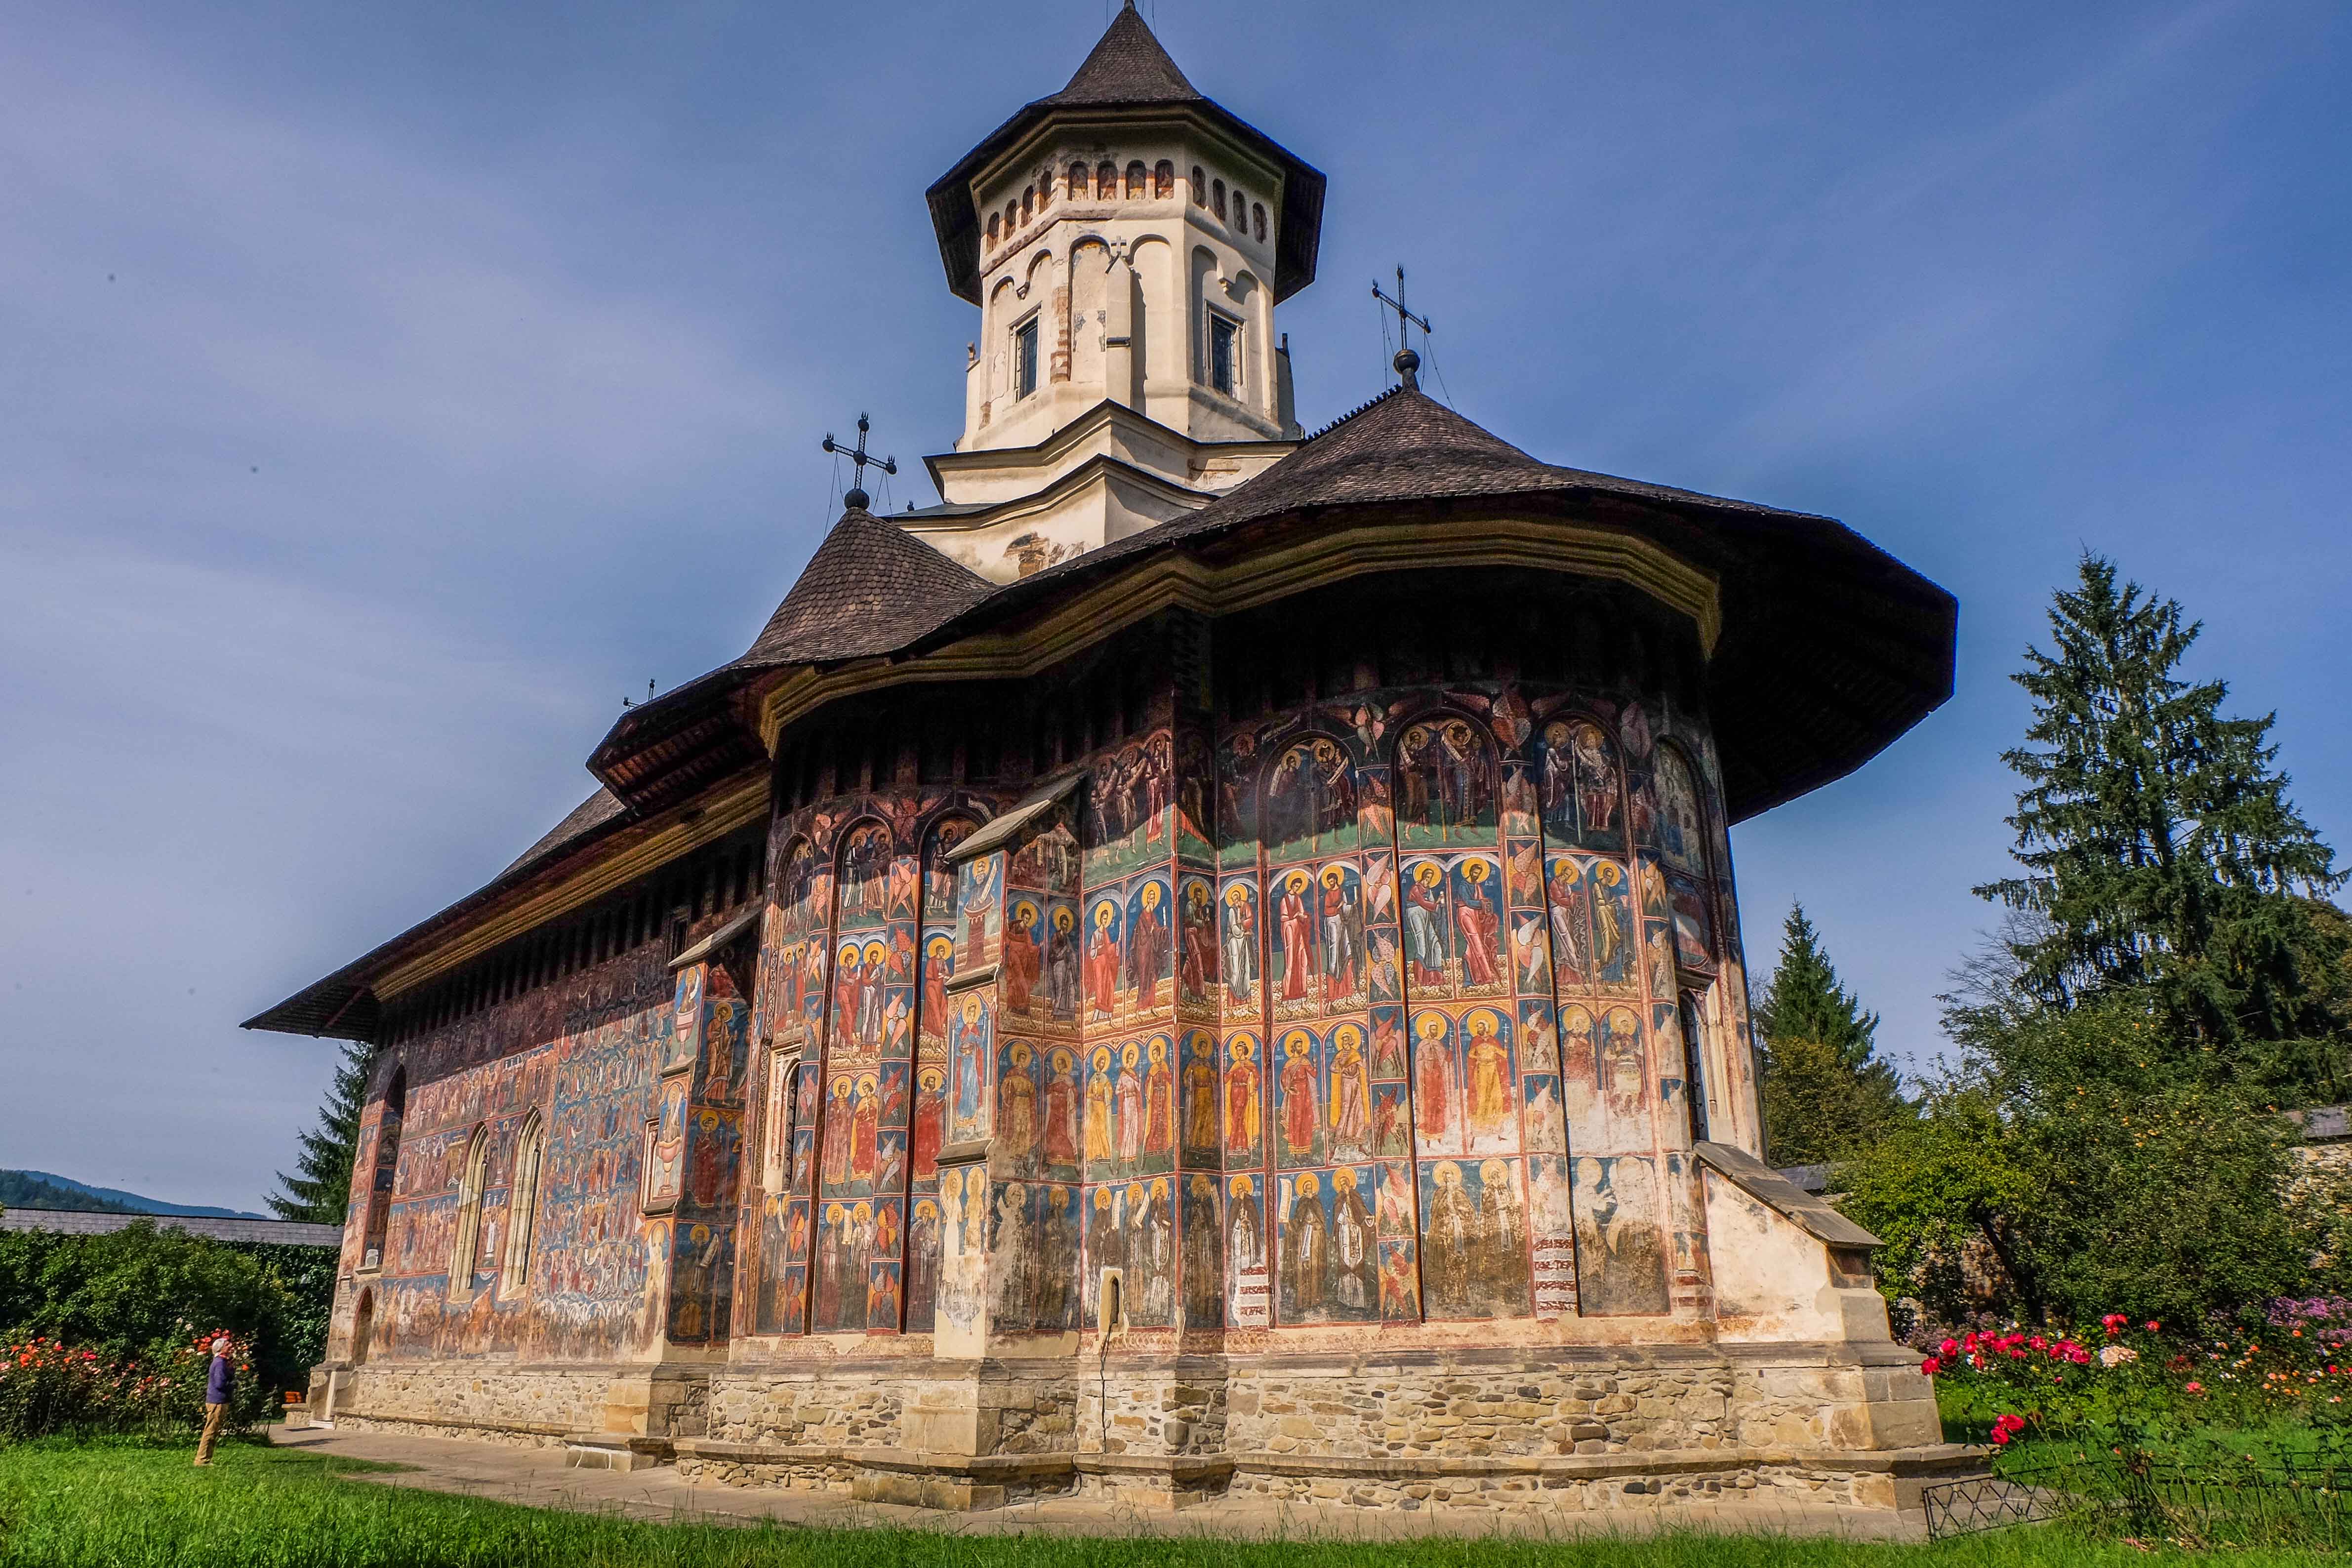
[[1205, 964]]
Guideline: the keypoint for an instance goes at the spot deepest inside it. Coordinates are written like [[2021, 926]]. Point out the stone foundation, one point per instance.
[[1579, 1429]]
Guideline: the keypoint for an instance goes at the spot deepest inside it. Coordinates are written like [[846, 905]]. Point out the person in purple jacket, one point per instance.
[[219, 1384]]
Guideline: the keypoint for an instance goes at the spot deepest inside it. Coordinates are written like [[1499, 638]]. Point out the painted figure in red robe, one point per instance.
[[1298, 1107]]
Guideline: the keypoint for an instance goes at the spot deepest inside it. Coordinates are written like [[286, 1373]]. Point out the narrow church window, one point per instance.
[[1217, 200], [1024, 357], [1028, 203], [1257, 219], [1200, 187], [1135, 177], [468, 1239], [387, 1164], [1225, 335], [1106, 181], [1077, 186], [1164, 180], [1694, 1067], [991, 231], [523, 1204]]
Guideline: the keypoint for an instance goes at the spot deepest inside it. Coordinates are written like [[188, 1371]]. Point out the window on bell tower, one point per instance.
[[1224, 356], [1024, 357]]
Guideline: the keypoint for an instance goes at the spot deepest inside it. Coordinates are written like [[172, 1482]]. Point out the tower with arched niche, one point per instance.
[[1127, 240]]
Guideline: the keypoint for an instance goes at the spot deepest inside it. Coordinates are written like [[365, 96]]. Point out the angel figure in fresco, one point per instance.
[[1425, 928], [1016, 1103], [1545, 1129], [1399, 1291], [1488, 1069], [1200, 1097], [1023, 954], [1433, 1078], [1524, 874], [1306, 1248], [1159, 1101], [1351, 1111], [1299, 1108], [1240, 945], [1297, 929], [1352, 1244], [1126, 1097], [1102, 963], [1476, 923], [1062, 965], [891, 1162], [1061, 1109], [1147, 946], [1451, 1242], [1538, 1041], [896, 1019], [1342, 948], [1098, 1110], [1244, 1244], [1241, 1097], [1531, 952], [1384, 965], [1197, 966]]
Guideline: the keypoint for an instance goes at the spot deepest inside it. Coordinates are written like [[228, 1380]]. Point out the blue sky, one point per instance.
[[386, 391]]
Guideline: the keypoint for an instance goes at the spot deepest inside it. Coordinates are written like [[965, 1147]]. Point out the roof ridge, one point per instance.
[[1359, 408]]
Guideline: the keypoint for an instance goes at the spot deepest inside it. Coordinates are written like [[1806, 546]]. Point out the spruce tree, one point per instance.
[[321, 1191], [2163, 860], [1825, 1096]]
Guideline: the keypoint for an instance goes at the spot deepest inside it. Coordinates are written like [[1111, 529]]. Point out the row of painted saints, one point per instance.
[[1468, 928]]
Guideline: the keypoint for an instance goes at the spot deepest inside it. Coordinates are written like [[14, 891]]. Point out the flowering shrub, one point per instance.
[[2293, 1364], [47, 1386]]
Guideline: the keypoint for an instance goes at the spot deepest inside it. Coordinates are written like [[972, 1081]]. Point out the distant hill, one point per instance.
[[43, 1189]]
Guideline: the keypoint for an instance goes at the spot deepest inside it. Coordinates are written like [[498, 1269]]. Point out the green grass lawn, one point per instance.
[[64, 1506]]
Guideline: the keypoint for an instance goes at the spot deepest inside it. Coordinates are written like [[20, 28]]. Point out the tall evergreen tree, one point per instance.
[[1825, 1096], [2162, 857], [320, 1189], [1805, 1001]]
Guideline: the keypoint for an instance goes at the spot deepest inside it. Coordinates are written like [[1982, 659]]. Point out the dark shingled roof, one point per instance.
[[1128, 66], [870, 587], [578, 823], [1128, 69]]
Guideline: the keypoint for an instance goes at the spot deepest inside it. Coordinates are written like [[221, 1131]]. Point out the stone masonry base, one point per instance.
[[1574, 1430]]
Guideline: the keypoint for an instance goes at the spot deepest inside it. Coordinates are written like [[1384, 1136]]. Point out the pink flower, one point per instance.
[[2196, 1387], [1950, 1348], [1931, 1366], [2151, 1325]]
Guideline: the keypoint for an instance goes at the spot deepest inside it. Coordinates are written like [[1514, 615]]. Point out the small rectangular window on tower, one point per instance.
[[1224, 340], [1025, 358]]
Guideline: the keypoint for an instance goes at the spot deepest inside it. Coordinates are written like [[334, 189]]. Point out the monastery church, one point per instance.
[[1205, 964]]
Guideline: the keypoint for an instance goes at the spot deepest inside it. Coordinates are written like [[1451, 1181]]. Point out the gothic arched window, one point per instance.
[[523, 1204], [1164, 180], [467, 1242]]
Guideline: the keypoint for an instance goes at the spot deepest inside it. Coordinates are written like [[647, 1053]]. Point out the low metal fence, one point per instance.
[[2151, 1499]]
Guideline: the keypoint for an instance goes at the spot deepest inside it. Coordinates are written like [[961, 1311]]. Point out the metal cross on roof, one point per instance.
[[856, 497], [1407, 362]]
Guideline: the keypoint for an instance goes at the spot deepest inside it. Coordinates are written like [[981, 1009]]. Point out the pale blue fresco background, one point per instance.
[[386, 391]]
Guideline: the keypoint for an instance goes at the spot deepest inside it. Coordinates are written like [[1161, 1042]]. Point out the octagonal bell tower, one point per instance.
[[1127, 240]]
